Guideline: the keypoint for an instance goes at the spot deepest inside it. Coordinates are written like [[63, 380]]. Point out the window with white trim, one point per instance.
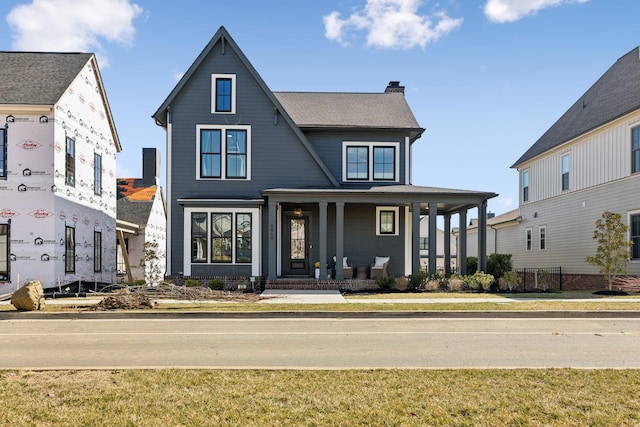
[[525, 186], [370, 161], [542, 237], [222, 236], [634, 234], [565, 172], [223, 94], [223, 152], [387, 221], [529, 237], [635, 149]]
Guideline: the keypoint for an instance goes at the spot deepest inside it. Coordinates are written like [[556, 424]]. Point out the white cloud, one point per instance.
[[511, 10], [71, 25], [392, 24]]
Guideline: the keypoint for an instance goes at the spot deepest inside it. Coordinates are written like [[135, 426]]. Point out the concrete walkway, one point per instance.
[[292, 296]]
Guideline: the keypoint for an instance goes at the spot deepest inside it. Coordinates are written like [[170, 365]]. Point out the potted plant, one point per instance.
[[317, 267]]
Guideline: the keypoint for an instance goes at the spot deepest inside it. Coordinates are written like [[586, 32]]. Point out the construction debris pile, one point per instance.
[[142, 297]]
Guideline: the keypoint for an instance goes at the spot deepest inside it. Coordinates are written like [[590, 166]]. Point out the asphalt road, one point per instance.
[[301, 343]]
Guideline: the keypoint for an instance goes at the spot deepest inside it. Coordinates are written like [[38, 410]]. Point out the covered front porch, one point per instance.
[[309, 227]]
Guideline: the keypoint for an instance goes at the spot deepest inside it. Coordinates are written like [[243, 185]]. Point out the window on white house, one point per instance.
[[370, 161], [525, 186], [565, 172], [634, 228], [543, 237], [635, 149], [69, 250], [529, 237], [70, 162], [4, 252], [424, 243], [3, 153], [223, 96], [97, 251], [97, 173], [223, 152]]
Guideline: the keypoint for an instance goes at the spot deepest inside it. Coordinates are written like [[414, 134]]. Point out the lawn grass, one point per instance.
[[524, 397]]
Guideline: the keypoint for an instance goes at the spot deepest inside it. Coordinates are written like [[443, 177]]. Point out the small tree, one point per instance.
[[612, 254], [151, 263]]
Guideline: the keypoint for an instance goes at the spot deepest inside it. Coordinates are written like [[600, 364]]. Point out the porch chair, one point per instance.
[[347, 267], [379, 266]]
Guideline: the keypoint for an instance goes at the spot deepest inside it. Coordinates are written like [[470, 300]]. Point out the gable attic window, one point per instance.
[[370, 161], [223, 94], [223, 152], [635, 149]]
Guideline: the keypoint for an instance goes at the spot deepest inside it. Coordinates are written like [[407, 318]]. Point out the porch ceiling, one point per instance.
[[448, 201]]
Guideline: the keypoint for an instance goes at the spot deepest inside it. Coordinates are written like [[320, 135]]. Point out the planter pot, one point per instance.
[[317, 273]]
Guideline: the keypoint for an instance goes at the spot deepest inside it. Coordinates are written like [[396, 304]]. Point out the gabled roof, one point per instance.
[[38, 78], [222, 36], [386, 110], [615, 94], [41, 78], [135, 200]]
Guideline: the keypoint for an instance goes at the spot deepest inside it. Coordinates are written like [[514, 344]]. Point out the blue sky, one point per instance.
[[485, 78]]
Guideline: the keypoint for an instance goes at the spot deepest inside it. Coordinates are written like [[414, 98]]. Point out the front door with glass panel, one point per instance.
[[297, 248]]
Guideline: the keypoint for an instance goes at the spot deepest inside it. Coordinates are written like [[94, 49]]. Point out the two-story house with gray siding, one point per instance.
[[267, 184], [588, 162]]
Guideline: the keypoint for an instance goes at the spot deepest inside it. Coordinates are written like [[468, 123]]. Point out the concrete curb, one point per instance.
[[150, 315]]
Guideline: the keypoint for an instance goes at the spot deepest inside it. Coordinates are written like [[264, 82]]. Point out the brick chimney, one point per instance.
[[150, 166], [394, 86]]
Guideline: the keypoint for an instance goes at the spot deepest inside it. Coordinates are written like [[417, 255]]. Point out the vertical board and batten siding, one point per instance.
[[595, 159], [278, 158]]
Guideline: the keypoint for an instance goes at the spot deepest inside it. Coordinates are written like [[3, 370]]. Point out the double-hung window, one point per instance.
[[3, 153], [70, 162], [529, 237], [525, 186], [97, 174], [222, 237], [565, 172], [424, 243], [371, 161], [635, 149], [223, 94], [634, 229], [224, 152], [543, 237]]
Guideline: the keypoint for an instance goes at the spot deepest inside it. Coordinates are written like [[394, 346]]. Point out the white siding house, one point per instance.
[[58, 148], [588, 162]]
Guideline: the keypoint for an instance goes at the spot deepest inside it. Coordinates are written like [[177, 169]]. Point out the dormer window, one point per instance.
[[223, 96]]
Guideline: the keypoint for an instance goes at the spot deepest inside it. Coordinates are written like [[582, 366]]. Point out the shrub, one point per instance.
[[472, 264], [456, 283], [385, 283], [417, 281], [479, 281], [191, 283], [510, 281], [216, 284], [498, 264]]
